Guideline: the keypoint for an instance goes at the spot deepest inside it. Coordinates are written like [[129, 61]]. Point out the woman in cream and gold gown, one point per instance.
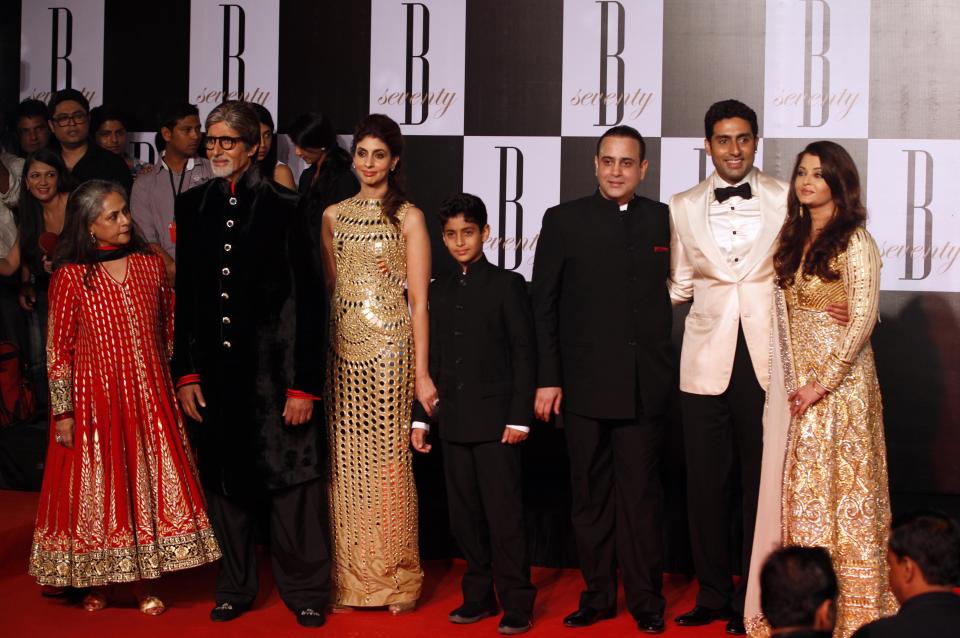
[[824, 476], [375, 245]]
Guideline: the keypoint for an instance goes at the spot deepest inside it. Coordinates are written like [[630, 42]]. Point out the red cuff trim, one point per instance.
[[188, 379], [65, 415], [299, 394]]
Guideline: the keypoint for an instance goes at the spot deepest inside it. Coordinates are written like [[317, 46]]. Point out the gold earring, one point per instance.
[[801, 211]]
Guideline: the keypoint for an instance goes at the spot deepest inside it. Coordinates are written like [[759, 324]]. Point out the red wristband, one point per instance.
[[299, 394], [188, 379]]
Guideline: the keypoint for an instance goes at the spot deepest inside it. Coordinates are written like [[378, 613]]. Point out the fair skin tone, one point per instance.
[[814, 193], [70, 124], [465, 242], [373, 162], [231, 164], [733, 148], [309, 155], [33, 133], [619, 170], [111, 228], [42, 183], [281, 173]]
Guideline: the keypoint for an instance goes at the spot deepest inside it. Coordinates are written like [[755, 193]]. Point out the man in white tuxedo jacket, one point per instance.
[[723, 235]]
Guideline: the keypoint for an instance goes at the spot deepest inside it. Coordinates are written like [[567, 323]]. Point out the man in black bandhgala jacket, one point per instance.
[[249, 362], [603, 320]]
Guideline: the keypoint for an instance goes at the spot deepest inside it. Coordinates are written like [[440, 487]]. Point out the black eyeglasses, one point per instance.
[[227, 142], [78, 117]]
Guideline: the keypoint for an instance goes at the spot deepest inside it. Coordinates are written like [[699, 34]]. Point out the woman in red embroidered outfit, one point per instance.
[[120, 500]]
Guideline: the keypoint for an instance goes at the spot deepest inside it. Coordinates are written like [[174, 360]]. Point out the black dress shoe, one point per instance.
[[735, 627], [514, 622], [702, 616], [650, 623], [311, 617], [586, 616], [469, 613], [225, 612]]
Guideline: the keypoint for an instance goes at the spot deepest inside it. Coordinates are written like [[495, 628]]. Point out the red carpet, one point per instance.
[[23, 612]]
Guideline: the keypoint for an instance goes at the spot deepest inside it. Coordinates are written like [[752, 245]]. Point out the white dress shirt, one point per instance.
[[736, 222]]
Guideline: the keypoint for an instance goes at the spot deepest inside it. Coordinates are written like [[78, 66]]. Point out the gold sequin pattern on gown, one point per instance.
[[835, 491], [373, 500]]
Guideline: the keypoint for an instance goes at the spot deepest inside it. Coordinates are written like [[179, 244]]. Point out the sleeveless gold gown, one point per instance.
[[373, 499]]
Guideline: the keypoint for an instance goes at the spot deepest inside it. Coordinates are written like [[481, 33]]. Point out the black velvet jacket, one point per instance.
[[600, 303], [250, 322], [482, 353]]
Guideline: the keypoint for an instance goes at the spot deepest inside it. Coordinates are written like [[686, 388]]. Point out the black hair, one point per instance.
[[470, 206], [64, 95], [794, 582], [30, 108], [313, 130], [173, 112], [83, 207], [105, 113], [932, 540], [381, 127], [30, 209], [269, 163], [624, 131], [726, 109]]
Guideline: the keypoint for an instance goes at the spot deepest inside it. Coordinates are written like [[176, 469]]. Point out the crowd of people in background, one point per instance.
[[181, 320]]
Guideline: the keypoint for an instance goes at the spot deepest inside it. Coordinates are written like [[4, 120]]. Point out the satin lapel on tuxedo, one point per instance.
[[698, 210], [772, 211]]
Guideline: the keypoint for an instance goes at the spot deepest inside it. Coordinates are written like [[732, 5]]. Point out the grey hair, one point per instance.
[[240, 117]]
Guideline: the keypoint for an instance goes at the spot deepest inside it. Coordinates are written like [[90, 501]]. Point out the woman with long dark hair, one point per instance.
[[121, 500], [328, 178], [45, 185], [375, 245], [270, 166], [824, 477]]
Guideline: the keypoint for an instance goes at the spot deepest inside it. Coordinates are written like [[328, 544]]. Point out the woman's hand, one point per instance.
[[805, 396], [426, 393], [63, 432]]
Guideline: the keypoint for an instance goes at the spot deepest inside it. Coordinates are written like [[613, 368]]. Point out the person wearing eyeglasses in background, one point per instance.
[[70, 124], [249, 362]]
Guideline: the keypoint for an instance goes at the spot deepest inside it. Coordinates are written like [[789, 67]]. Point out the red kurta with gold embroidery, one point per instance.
[[125, 502]]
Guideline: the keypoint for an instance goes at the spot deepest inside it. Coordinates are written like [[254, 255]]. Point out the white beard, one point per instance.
[[224, 171]]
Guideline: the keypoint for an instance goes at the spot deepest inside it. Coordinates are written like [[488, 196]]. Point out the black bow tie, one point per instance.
[[743, 191]]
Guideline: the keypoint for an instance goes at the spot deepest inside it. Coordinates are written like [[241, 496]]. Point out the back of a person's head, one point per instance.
[[794, 583], [932, 540]]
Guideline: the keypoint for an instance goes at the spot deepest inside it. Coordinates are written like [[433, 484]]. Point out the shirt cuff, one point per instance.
[[420, 425], [520, 428], [299, 394], [188, 379]]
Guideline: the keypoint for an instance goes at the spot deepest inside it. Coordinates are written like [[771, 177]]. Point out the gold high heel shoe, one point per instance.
[[95, 600], [396, 609], [152, 606]]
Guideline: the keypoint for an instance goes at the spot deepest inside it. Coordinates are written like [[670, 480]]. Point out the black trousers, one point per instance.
[[617, 509], [720, 433], [298, 546], [485, 499]]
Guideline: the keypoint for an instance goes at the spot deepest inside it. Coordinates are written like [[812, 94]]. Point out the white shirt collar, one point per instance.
[[163, 164]]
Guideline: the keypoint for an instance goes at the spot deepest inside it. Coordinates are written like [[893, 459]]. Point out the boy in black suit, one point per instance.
[[483, 361]]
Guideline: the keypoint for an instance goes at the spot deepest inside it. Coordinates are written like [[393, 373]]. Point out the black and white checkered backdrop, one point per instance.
[[505, 98]]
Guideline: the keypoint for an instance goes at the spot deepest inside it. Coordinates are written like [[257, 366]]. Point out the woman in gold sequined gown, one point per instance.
[[824, 478], [375, 245]]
